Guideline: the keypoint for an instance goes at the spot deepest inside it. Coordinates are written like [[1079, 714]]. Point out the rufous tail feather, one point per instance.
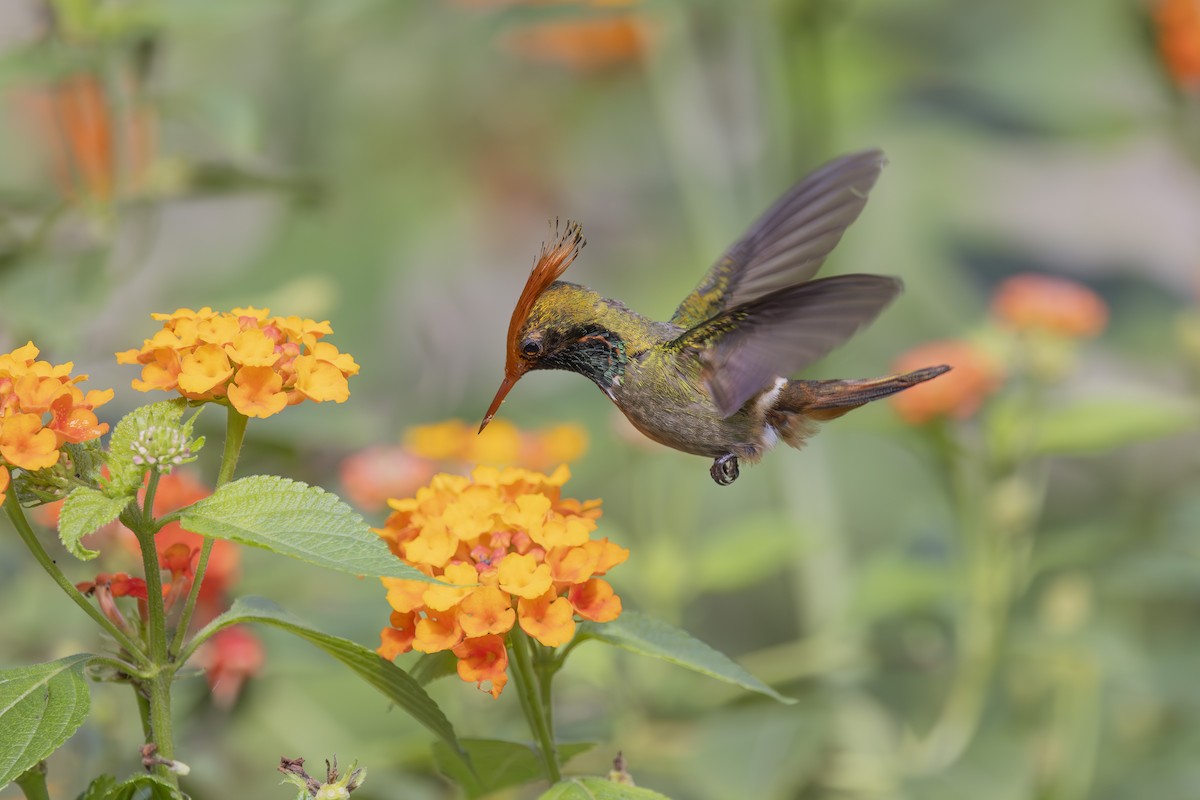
[[825, 400]]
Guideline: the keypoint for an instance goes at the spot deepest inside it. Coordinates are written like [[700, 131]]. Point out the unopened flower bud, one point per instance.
[[162, 448]]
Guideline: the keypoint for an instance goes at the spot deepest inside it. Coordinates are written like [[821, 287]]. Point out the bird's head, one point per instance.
[[548, 329]]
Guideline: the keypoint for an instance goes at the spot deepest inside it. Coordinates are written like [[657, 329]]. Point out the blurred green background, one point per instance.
[[391, 167]]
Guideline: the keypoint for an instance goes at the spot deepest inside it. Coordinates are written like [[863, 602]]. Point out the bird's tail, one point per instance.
[[825, 400]]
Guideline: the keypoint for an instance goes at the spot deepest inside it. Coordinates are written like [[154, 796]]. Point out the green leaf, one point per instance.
[[297, 520], [139, 787], [40, 707], [395, 683], [98, 789], [497, 763], [650, 637], [1105, 423], [86, 511], [598, 789], [125, 477], [431, 666]]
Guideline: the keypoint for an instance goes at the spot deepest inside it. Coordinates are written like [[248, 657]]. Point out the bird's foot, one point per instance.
[[724, 469]]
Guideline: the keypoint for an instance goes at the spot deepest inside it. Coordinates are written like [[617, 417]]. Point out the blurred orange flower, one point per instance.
[[1178, 27], [230, 657], [508, 547], [957, 394], [599, 35], [584, 44], [256, 363], [96, 146], [42, 409], [1047, 303]]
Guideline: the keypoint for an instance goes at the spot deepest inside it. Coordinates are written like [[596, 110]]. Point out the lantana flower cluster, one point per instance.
[[42, 409], [257, 363], [515, 553]]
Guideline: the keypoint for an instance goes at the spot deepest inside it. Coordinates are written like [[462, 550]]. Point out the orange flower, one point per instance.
[[398, 638], [1178, 24], [1045, 303], [481, 536], [548, 618], [42, 409], [957, 394], [595, 600], [5, 479], [254, 362], [583, 43], [98, 148], [483, 659]]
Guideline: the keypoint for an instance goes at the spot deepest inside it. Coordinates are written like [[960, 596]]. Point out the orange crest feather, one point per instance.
[[551, 263]]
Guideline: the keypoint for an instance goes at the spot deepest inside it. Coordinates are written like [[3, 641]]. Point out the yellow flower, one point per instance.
[[502, 443], [42, 409], [509, 549], [256, 363], [442, 441], [524, 575]]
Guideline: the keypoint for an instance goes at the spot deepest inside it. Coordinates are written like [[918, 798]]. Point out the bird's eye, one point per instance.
[[531, 348]]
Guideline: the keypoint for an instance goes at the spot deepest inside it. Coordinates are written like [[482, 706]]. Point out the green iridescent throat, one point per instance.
[[592, 351]]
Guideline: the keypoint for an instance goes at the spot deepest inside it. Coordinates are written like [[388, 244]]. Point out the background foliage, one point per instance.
[[391, 167]]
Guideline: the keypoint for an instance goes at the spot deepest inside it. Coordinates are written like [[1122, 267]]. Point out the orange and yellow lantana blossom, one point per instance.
[[513, 551], [41, 410], [257, 363]]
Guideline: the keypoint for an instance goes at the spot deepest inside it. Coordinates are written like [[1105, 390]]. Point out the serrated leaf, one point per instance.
[[497, 764], [638, 633], [396, 684], [125, 477], [297, 520], [598, 789], [86, 511], [40, 707]]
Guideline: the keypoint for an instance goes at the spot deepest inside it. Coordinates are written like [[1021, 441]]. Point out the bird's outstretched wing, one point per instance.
[[789, 242], [742, 349]]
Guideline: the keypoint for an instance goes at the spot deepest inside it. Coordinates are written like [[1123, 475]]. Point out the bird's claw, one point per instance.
[[724, 470]]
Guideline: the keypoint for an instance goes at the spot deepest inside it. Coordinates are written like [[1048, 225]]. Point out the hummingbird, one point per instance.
[[713, 380]]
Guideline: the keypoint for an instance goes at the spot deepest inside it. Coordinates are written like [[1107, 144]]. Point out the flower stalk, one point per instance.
[[235, 434], [533, 689]]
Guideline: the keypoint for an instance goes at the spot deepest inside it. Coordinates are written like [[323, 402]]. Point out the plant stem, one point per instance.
[[157, 686], [17, 515], [535, 701], [148, 500], [33, 782], [143, 704], [235, 433]]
